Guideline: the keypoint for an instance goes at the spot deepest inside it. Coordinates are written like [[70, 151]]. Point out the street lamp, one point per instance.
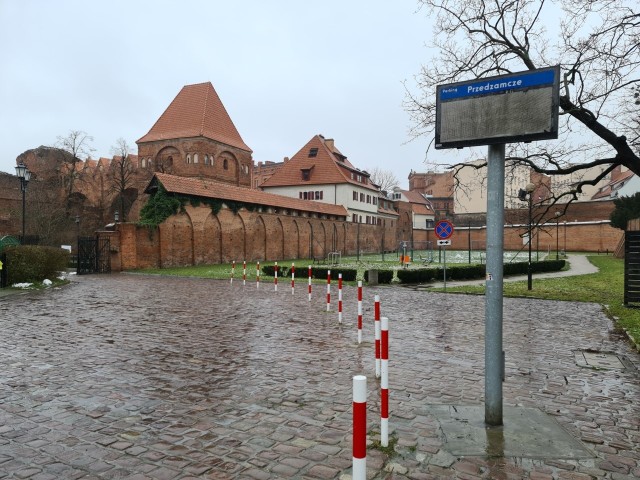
[[24, 175], [523, 195], [557, 235]]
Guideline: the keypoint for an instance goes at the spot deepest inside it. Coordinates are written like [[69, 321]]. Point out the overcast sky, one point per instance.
[[285, 71]]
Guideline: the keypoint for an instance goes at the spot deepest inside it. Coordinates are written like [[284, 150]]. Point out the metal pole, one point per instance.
[[469, 241], [24, 202], [557, 240], [529, 279], [493, 356]]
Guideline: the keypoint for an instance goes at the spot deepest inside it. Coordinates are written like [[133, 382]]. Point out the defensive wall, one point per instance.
[[198, 237]]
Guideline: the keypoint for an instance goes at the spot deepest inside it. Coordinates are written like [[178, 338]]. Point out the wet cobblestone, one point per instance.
[[144, 377]]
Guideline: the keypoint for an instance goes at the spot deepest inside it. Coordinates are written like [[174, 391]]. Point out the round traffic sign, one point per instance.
[[444, 229]]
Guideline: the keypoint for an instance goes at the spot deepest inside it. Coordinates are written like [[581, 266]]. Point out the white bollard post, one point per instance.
[[359, 428], [359, 311], [384, 382], [376, 325], [339, 298]]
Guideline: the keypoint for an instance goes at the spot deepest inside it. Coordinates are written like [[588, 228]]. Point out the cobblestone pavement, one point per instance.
[[126, 376]]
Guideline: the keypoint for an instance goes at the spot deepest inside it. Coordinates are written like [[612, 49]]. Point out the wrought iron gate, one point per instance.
[[93, 255]]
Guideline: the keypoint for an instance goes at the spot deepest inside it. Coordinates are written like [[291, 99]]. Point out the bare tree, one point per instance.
[[75, 148], [385, 179], [123, 173], [597, 45]]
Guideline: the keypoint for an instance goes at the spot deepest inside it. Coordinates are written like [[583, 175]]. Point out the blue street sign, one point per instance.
[[444, 229]]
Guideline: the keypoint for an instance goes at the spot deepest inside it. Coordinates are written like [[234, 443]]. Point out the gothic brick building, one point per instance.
[[195, 137]]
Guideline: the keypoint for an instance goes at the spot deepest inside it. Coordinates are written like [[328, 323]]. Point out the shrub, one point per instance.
[[384, 276], [33, 263], [348, 274], [270, 270]]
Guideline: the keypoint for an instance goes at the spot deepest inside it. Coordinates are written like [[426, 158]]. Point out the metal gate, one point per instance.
[[631, 267], [93, 255]]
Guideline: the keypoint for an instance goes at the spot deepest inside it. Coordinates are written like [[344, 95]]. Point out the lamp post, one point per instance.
[[24, 175], [523, 195], [557, 235], [116, 216]]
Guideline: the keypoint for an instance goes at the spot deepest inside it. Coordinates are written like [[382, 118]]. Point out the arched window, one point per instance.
[[143, 163], [188, 158], [206, 159], [225, 164], [195, 158]]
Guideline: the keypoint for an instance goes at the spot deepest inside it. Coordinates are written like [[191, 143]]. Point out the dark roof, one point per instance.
[[212, 189]]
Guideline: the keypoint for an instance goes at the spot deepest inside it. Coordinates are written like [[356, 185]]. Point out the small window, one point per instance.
[[300, 195], [188, 158], [225, 164], [306, 195], [195, 158], [306, 174], [206, 159], [355, 195], [375, 201], [313, 152], [143, 163], [362, 197], [368, 198]]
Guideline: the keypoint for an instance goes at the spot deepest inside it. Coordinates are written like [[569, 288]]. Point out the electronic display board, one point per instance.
[[518, 107]]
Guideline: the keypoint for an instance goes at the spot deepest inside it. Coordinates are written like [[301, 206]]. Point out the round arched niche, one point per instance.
[[166, 158]]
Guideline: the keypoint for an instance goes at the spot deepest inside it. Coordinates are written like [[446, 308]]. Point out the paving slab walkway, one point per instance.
[[145, 377]]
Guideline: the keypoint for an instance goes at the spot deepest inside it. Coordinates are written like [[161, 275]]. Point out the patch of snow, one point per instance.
[[22, 285], [47, 282]]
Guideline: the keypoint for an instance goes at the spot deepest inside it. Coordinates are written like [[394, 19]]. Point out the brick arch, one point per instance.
[[256, 236], [292, 240], [233, 244], [176, 241], [212, 236], [166, 158], [275, 234], [232, 173]]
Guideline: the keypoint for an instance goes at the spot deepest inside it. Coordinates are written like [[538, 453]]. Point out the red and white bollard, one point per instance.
[[359, 428], [275, 278], [233, 270], [309, 282], [339, 298], [293, 276], [384, 382], [359, 311], [244, 272], [376, 325], [328, 289], [258, 275]]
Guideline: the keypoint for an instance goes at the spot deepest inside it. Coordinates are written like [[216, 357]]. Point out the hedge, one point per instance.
[[269, 270], [348, 274], [470, 272], [384, 276], [33, 263]]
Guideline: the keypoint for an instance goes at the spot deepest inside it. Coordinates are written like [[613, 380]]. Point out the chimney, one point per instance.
[[329, 143], [286, 159]]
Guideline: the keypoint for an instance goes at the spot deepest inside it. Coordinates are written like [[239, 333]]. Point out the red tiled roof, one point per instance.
[[414, 197], [212, 189], [421, 209], [197, 111], [328, 166]]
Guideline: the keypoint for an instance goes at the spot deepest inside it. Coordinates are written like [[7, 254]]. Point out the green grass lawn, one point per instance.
[[605, 287]]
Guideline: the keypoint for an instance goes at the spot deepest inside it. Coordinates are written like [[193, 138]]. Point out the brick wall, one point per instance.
[[199, 237], [239, 162]]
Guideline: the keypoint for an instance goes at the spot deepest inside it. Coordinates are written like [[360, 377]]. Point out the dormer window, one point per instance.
[[313, 152], [306, 173]]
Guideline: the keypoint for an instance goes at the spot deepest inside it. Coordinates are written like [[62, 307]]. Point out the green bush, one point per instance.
[[471, 272], [33, 263], [384, 276], [348, 274], [270, 271]]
